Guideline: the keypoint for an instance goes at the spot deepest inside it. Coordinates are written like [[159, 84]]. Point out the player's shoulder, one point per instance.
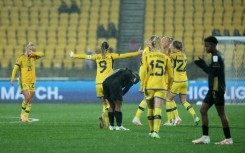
[[21, 56]]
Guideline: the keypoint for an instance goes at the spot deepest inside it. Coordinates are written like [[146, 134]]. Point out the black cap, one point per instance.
[[211, 39]]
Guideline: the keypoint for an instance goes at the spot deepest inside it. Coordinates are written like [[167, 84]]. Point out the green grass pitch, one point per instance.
[[73, 128]]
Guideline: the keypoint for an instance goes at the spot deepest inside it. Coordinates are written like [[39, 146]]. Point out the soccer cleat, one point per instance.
[[225, 142], [150, 133], [203, 140], [155, 135], [137, 122], [196, 121], [111, 128], [168, 124], [101, 122], [121, 128], [177, 121]]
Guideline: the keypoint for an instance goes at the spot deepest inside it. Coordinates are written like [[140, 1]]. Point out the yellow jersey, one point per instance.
[[179, 62], [104, 63], [26, 67], [155, 65], [146, 50]]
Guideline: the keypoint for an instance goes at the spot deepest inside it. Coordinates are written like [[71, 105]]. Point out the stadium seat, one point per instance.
[[68, 63], [5, 63], [113, 43], [228, 55], [8, 51]]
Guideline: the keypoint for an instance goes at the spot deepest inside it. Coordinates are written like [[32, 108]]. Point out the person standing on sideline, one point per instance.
[[104, 64], [27, 78], [215, 94], [155, 65], [180, 80], [115, 86]]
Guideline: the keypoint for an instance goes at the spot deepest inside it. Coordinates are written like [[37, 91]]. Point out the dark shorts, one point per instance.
[[214, 97], [112, 92]]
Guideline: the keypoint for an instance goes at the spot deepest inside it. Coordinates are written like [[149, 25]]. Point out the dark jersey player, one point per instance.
[[215, 95], [115, 86]]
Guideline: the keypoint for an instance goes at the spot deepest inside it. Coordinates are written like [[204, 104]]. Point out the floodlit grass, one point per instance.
[[73, 128]]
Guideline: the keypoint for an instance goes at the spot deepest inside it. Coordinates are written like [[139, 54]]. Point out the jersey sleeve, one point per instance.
[[16, 68], [38, 55], [84, 56], [143, 72], [125, 55]]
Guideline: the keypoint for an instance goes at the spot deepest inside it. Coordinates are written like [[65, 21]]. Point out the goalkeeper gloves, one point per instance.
[[71, 53]]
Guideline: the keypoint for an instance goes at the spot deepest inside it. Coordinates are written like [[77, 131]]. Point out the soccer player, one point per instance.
[[171, 107], [180, 80], [104, 62], [115, 86], [154, 66], [215, 95], [27, 78], [143, 103]]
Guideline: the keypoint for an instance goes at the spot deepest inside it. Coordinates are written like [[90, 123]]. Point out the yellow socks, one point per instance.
[[171, 109], [27, 110], [189, 108], [141, 108], [150, 119], [23, 107], [157, 119], [175, 110], [105, 113]]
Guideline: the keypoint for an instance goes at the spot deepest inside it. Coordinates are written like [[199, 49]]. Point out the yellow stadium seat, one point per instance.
[[8, 51], [49, 51], [239, 56], [74, 18], [78, 63], [228, 55], [67, 63], [4, 16], [199, 50], [80, 48], [57, 62], [14, 16], [188, 47], [113, 43], [72, 41], [82, 40], [178, 35], [46, 61], [5, 62], [63, 19]]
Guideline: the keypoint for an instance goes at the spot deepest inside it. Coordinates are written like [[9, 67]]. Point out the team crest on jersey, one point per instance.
[[215, 58]]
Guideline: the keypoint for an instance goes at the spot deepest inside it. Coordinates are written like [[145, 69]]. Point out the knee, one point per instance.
[[28, 99], [203, 111]]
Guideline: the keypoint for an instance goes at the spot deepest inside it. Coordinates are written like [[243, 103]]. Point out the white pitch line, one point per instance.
[[32, 119]]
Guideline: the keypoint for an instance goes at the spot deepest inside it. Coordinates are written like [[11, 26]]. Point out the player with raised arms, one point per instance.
[[104, 63]]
